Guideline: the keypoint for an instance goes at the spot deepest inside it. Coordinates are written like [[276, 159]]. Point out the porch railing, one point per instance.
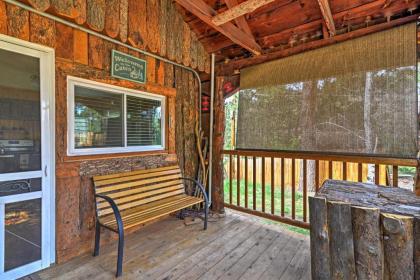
[[276, 185]]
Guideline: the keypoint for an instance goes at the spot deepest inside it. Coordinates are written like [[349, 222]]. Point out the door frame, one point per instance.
[[47, 103]]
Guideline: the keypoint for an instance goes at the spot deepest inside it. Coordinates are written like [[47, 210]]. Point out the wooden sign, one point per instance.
[[128, 67]]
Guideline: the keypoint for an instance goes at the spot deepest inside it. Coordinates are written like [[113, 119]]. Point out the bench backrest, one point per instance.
[[135, 188]]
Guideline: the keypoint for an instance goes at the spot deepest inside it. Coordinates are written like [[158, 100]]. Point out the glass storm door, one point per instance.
[[25, 158]]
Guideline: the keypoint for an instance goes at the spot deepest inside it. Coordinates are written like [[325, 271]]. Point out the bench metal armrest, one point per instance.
[[115, 209], [200, 186]]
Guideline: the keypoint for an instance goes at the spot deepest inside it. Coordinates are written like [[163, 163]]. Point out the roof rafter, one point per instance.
[[239, 10], [324, 5], [204, 12], [240, 21]]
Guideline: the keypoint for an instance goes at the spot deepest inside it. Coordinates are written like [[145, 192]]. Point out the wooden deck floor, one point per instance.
[[234, 247]]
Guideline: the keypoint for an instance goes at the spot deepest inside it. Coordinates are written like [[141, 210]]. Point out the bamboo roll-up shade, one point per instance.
[[357, 97], [387, 49]]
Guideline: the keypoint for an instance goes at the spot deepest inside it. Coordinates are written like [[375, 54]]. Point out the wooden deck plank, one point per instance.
[[209, 255], [235, 247], [229, 268], [255, 270], [279, 265], [222, 263]]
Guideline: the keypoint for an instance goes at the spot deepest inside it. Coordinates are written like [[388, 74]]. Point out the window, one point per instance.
[[109, 119]]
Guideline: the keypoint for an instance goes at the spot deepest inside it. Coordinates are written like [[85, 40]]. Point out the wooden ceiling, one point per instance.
[[246, 32]]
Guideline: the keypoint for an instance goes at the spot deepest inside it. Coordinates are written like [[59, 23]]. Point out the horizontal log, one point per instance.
[[387, 200]]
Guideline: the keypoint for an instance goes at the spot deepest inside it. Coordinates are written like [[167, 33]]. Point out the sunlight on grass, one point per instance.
[[259, 199]]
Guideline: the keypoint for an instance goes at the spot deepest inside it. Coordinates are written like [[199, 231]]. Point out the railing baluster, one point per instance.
[[395, 175], [272, 185], [376, 174], [330, 169], [238, 180], [263, 184], [246, 182], [316, 175], [230, 178], [293, 189], [254, 183], [326, 166], [282, 186], [344, 170], [305, 194]]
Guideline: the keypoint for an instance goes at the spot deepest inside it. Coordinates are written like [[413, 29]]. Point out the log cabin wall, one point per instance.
[[152, 25]]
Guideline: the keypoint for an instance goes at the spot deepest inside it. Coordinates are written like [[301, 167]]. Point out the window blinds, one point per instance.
[[143, 122], [357, 97]]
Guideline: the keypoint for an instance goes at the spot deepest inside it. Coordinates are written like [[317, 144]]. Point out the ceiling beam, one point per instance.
[[239, 10], [233, 65], [240, 21], [204, 12], [324, 5]]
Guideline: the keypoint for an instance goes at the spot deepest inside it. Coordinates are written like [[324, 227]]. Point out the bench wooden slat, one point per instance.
[[137, 172], [151, 215], [117, 187], [150, 206], [135, 177], [103, 204], [133, 214], [143, 188], [141, 202]]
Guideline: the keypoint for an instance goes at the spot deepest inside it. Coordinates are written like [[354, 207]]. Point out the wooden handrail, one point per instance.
[[278, 186], [326, 157]]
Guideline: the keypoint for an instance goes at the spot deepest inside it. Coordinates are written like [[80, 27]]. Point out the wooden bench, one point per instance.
[[128, 199]]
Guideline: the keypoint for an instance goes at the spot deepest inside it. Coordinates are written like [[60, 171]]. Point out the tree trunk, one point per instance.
[[307, 135]]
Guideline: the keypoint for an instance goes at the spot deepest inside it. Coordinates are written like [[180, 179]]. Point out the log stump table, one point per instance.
[[364, 231]]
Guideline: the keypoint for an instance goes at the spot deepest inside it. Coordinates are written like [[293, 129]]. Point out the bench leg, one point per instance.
[[206, 214], [120, 252], [97, 239]]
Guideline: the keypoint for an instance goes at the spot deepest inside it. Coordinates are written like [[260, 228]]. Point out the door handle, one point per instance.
[[46, 171]]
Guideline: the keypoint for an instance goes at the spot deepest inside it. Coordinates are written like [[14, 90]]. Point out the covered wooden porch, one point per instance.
[[237, 246]]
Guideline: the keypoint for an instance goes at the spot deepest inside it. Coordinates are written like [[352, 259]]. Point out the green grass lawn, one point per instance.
[[277, 201]]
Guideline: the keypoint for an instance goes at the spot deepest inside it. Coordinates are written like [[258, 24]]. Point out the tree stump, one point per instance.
[[372, 232]]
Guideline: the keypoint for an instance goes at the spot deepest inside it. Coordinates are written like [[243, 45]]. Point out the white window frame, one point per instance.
[[72, 82]]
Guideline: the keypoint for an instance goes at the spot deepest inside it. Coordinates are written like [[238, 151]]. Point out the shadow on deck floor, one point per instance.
[[235, 247]]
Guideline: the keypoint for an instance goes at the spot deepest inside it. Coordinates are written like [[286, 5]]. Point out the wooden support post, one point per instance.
[[398, 246], [218, 141], [367, 238], [341, 241], [417, 247], [320, 256], [417, 181]]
